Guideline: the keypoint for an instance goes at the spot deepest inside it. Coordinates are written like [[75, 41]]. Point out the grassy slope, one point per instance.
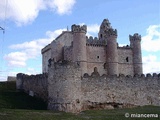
[[16, 105], [10, 98]]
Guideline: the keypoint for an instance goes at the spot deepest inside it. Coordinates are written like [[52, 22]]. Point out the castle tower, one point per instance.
[[103, 28], [135, 43], [79, 46], [112, 52]]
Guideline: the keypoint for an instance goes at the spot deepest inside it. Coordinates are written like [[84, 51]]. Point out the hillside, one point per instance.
[[13, 99]]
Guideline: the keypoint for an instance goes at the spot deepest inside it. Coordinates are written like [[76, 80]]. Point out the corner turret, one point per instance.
[[79, 46], [135, 43]]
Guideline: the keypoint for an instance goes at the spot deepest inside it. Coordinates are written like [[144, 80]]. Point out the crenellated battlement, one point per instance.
[[136, 36], [140, 76], [78, 28], [124, 47], [111, 32], [137, 90], [95, 41]]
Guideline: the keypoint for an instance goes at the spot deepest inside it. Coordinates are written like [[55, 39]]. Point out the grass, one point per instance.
[[10, 98], [15, 105]]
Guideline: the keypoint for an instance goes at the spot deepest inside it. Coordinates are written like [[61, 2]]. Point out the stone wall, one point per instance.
[[11, 78], [55, 49], [57, 46], [65, 38], [120, 91], [66, 90], [96, 57], [69, 91], [64, 87], [46, 55], [125, 61], [34, 85], [68, 53]]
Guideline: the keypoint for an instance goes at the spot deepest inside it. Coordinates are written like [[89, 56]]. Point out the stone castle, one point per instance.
[[102, 54], [81, 73]]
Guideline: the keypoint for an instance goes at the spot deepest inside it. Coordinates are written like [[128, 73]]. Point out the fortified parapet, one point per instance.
[[95, 42], [79, 46], [112, 52], [135, 43]]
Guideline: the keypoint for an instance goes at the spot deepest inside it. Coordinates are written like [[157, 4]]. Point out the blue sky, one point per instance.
[[32, 24]]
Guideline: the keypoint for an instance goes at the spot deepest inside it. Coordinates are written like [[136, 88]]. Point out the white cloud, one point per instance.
[[93, 28], [17, 59], [31, 71], [150, 44], [151, 64], [54, 34], [32, 48], [25, 11], [21, 11], [151, 41], [29, 50], [61, 6]]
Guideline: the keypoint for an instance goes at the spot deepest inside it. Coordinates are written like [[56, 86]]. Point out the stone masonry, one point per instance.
[[71, 92], [102, 53], [81, 73]]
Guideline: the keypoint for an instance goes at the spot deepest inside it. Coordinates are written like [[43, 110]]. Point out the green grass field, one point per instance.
[[15, 105]]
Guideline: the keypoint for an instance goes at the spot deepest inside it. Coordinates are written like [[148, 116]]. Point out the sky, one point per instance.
[[32, 24]]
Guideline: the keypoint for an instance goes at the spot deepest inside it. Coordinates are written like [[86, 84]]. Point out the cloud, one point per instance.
[[54, 34], [92, 29], [29, 50], [61, 6], [31, 71], [17, 59], [151, 41], [151, 64], [150, 45], [23, 12]]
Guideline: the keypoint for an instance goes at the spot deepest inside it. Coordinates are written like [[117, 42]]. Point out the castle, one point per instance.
[[81, 73], [102, 53]]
